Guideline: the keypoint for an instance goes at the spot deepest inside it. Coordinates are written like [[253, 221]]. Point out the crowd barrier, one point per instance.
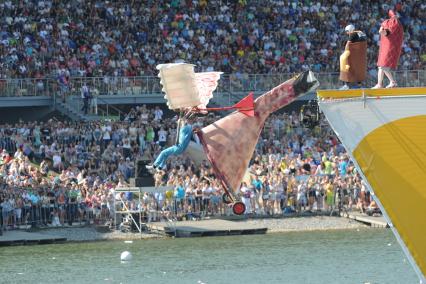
[[155, 207], [71, 214]]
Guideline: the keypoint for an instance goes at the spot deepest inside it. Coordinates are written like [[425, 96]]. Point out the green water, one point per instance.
[[366, 256]]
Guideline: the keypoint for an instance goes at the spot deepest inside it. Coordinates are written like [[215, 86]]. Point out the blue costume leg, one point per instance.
[[160, 162], [185, 135]]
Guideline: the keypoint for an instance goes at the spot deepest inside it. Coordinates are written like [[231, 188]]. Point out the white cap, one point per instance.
[[349, 28]]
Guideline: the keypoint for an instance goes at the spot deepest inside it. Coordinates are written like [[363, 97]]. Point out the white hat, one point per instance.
[[349, 28]]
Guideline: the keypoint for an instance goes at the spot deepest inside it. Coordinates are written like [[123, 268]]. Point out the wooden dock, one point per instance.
[[377, 222], [16, 237], [206, 228]]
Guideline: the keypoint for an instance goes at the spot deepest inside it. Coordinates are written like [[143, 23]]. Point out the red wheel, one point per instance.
[[239, 208], [226, 198]]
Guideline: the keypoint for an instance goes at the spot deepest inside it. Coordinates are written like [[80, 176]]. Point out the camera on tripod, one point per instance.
[[309, 114]]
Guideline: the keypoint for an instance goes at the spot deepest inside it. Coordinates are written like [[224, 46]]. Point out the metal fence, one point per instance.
[[156, 208], [53, 215], [150, 85]]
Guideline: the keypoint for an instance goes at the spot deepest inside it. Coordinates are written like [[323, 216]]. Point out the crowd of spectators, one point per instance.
[[58, 172], [59, 39]]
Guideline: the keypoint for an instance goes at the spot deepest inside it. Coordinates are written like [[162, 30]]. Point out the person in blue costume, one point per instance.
[[185, 135]]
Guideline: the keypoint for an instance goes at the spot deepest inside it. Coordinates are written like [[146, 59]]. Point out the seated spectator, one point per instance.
[[373, 209]]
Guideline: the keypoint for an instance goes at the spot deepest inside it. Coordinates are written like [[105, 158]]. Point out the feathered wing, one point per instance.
[[179, 85], [206, 84], [184, 88]]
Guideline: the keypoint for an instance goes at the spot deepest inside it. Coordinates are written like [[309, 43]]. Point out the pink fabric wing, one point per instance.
[[229, 143], [206, 83]]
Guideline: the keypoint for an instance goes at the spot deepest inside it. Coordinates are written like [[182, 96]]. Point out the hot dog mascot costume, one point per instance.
[[353, 61]]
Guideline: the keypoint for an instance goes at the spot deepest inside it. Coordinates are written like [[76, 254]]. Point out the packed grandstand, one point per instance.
[[41, 39], [62, 172]]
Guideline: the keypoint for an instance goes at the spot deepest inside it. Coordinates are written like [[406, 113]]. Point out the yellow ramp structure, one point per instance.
[[384, 131]]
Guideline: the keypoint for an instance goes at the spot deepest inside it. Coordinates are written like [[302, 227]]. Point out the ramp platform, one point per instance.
[[206, 228], [11, 238]]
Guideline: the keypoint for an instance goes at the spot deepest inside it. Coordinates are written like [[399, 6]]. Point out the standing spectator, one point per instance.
[[257, 190], [246, 194], [162, 136], [158, 113], [63, 81], [5, 210], [94, 101], [85, 96], [329, 194]]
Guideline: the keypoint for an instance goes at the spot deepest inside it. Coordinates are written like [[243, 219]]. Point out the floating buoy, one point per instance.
[[126, 256]]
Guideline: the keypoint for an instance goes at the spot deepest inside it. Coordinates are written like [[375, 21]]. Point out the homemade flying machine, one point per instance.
[[229, 142]]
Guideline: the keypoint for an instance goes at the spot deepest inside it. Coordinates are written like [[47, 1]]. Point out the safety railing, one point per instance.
[[107, 110], [153, 208], [150, 85], [54, 215]]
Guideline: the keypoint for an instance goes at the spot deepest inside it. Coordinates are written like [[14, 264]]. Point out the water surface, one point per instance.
[[354, 256]]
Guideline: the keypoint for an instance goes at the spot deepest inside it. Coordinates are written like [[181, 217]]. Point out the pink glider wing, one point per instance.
[[206, 84], [229, 142]]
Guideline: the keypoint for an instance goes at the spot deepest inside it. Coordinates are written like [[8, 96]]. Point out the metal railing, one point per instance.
[[150, 85], [151, 209], [109, 110]]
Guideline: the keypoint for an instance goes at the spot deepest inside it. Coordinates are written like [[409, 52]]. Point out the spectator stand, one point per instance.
[[129, 215]]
